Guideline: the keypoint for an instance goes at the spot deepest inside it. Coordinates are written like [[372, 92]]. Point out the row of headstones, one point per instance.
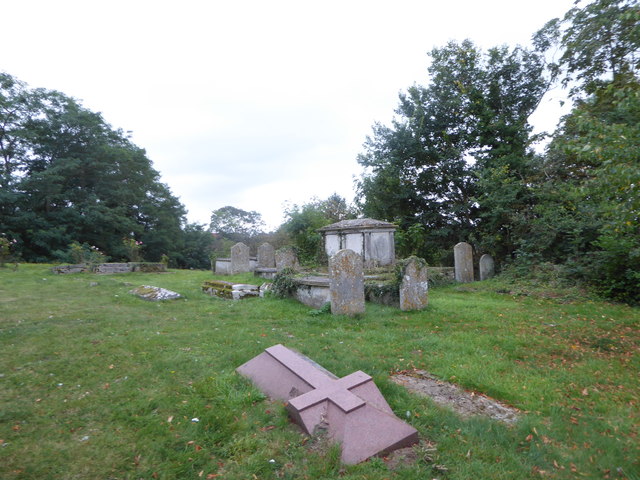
[[268, 257], [463, 261], [346, 284]]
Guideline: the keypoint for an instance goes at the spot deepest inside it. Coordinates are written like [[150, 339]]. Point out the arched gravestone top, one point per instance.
[[286, 257], [240, 262], [463, 259], [266, 256], [487, 267], [414, 288], [346, 283]]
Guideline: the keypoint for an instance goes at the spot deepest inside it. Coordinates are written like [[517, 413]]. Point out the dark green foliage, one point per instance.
[[303, 221], [198, 247], [68, 176], [455, 148], [457, 165], [284, 285]]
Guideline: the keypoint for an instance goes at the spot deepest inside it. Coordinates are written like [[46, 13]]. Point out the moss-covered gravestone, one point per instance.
[[346, 283], [414, 288]]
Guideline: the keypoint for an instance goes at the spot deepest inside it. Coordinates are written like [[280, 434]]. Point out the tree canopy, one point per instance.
[[457, 164], [68, 176]]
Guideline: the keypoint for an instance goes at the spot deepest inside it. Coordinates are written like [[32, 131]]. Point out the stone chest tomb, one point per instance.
[[369, 238]]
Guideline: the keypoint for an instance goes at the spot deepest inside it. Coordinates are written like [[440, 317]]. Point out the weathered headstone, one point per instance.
[[351, 410], [286, 258], [487, 267], [414, 288], [463, 261], [240, 262], [346, 283], [266, 256]]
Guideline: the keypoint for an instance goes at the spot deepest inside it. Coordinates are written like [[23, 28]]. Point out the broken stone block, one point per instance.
[[351, 410], [234, 291]]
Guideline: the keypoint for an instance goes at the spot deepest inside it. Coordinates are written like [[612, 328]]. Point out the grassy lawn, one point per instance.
[[96, 383]]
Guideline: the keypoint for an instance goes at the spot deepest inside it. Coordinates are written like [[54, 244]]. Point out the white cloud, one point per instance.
[[250, 103]]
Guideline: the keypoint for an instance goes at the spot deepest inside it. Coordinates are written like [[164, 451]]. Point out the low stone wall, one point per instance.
[[107, 268], [440, 275], [223, 265], [313, 291], [263, 272]]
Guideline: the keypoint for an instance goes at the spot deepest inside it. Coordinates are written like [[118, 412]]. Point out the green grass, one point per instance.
[[96, 383]]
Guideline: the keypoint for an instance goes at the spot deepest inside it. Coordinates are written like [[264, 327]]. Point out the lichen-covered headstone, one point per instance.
[[487, 267], [346, 283], [414, 288], [286, 258], [154, 294], [463, 262], [266, 256], [240, 262]]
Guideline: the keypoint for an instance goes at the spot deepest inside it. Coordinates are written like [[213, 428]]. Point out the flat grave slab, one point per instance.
[[351, 409]]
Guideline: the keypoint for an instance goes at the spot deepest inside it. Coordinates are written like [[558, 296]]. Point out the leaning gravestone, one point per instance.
[[240, 262], [346, 283], [266, 256], [351, 410], [286, 258], [414, 288], [487, 267], [463, 261]]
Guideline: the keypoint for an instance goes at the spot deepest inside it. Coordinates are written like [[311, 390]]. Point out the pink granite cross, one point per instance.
[[351, 409]]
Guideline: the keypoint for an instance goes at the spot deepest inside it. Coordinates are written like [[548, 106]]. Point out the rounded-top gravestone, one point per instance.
[[240, 262], [487, 267], [266, 256], [463, 261], [414, 289], [346, 283]]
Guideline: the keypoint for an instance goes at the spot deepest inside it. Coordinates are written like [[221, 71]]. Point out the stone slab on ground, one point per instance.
[[233, 291], [449, 395], [154, 294], [350, 410]]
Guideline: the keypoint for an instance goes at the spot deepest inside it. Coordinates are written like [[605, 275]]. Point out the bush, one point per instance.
[[284, 285]]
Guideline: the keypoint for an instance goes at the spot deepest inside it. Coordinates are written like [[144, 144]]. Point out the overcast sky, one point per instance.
[[252, 103]]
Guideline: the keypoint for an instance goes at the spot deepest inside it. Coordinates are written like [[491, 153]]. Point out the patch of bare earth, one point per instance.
[[449, 395]]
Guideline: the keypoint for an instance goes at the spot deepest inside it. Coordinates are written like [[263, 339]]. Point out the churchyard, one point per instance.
[[98, 383]]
